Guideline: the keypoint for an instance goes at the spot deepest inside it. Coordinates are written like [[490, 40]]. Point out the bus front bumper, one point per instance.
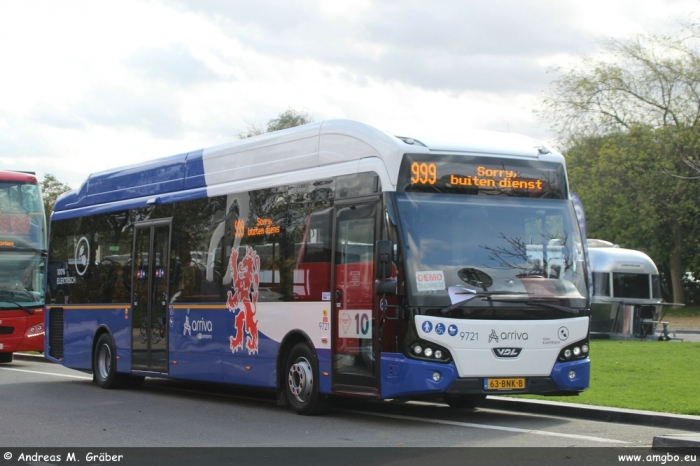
[[403, 377], [568, 378]]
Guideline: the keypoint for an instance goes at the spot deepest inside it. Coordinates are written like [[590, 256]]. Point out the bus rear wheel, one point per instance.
[[463, 401], [301, 382], [104, 364], [5, 357]]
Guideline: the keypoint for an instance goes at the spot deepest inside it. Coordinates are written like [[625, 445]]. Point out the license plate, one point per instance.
[[504, 384]]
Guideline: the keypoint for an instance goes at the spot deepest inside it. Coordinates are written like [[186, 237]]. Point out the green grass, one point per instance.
[[685, 311], [653, 376]]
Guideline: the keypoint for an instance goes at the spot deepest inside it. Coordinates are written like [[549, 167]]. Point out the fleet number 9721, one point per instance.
[[471, 336]]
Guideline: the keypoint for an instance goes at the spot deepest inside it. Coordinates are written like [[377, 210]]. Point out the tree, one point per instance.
[[627, 123], [630, 199], [650, 81], [51, 188], [287, 119]]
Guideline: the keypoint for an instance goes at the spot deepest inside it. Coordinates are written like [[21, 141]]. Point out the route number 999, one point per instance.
[[423, 173]]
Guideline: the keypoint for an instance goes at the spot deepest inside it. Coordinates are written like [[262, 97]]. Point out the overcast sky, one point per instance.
[[91, 85]]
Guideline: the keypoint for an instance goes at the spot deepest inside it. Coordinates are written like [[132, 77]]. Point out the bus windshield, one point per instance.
[[511, 250], [21, 279], [22, 245]]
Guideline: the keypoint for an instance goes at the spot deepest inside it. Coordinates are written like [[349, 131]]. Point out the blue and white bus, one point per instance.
[[330, 259]]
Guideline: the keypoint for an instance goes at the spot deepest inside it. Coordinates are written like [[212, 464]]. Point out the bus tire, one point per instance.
[[5, 357], [105, 364], [301, 382], [463, 401]]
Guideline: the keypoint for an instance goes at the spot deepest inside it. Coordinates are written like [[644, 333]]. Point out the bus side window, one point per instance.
[[313, 269], [195, 260]]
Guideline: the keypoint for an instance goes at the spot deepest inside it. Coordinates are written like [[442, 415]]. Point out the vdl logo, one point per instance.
[[507, 352]]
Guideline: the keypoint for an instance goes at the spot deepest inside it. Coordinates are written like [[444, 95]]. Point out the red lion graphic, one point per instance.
[[243, 301]]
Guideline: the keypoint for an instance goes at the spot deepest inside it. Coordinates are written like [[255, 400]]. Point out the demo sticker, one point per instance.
[[432, 280]]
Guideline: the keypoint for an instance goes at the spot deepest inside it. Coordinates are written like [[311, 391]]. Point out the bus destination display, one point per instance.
[[482, 175]]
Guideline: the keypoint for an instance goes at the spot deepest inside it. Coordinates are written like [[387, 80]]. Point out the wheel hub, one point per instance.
[[104, 362], [301, 379]]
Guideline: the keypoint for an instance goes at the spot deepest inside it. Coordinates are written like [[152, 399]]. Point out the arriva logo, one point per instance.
[[507, 336], [493, 336], [198, 326], [507, 352]]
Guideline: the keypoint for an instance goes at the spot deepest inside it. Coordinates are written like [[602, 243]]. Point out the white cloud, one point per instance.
[[89, 85]]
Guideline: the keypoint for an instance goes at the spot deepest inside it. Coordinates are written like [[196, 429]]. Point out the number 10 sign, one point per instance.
[[355, 324]]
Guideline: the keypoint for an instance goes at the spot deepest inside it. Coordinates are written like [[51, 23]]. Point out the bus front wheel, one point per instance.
[[105, 364], [301, 382]]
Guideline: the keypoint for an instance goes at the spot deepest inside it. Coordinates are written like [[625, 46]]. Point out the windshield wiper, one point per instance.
[[477, 294], [533, 302], [26, 309]]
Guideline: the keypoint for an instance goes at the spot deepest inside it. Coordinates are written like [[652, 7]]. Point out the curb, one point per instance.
[[683, 442], [596, 413]]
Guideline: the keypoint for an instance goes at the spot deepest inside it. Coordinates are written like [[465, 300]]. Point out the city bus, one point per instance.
[[22, 264], [327, 260]]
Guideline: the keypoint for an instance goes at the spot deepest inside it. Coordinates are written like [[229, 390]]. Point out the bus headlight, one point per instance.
[[427, 351], [574, 351]]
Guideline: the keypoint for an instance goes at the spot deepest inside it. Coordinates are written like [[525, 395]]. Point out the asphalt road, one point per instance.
[[47, 405]]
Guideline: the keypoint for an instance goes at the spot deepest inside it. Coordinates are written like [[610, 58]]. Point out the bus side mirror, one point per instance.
[[383, 254], [382, 287], [382, 259]]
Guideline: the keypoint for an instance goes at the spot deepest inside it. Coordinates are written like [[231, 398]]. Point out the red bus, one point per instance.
[[22, 264]]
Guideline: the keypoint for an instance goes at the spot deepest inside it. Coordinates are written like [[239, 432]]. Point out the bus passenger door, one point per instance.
[[355, 317], [149, 296]]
